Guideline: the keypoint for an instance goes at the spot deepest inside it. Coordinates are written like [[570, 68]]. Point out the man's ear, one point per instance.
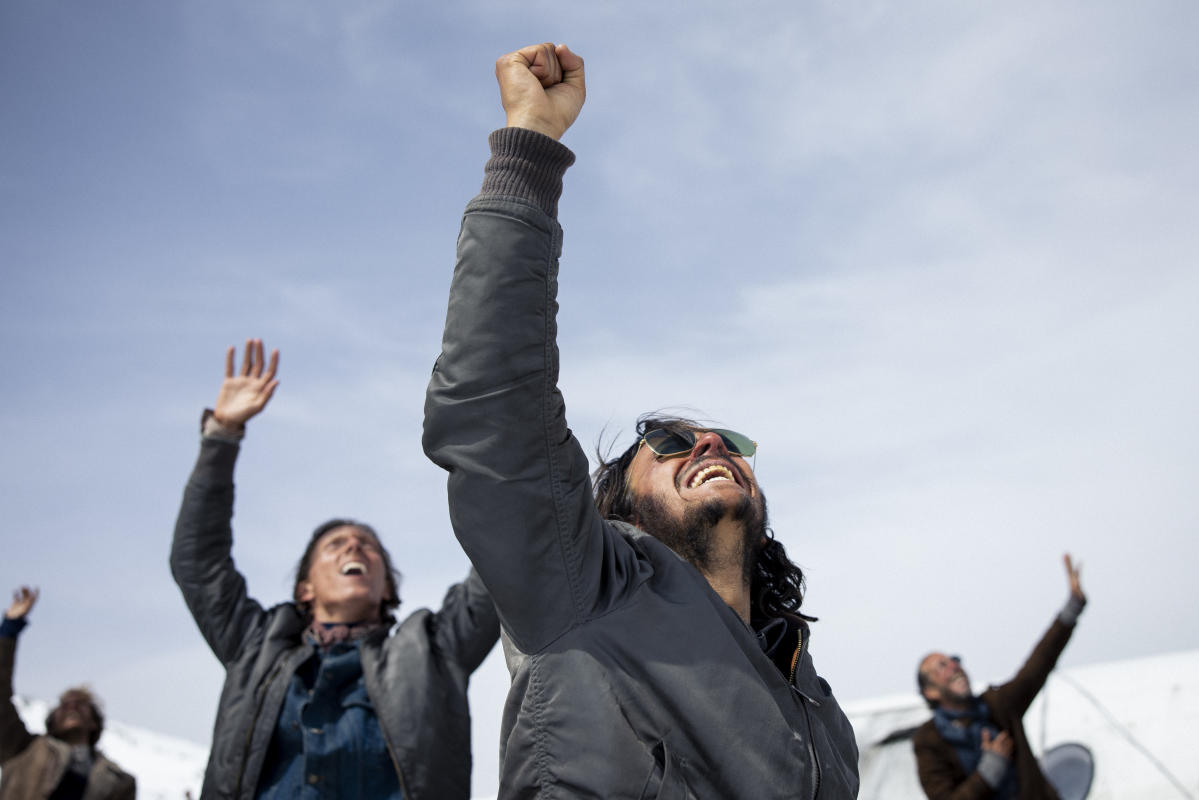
[[931, 694], [305, 593]]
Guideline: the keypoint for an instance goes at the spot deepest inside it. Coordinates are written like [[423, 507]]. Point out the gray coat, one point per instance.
[[416, 677], [631, 677]]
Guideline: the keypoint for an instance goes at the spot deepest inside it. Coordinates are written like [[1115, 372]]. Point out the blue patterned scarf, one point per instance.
[[964, 730]]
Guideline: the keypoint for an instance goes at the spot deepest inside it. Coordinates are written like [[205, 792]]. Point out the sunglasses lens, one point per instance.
[[666, 443], [669, 443], [736, 443]]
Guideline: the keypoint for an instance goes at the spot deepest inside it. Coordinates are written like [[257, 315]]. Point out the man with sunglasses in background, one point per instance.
[[653, 628], [975, 747]]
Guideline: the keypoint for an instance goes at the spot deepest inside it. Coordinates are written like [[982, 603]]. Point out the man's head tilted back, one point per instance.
[[693, 488], [78, 718]]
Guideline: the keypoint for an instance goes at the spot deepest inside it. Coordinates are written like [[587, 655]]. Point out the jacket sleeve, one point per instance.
[[14, 736], [940, 772], [202, 559], [467, 624], [1017, 694], [519, 489]]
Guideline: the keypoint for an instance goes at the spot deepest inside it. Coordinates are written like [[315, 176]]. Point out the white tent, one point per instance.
[[1138, 718]]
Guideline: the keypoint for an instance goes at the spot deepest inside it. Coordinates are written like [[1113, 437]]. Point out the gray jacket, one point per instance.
[[631, 677], [416, 677]]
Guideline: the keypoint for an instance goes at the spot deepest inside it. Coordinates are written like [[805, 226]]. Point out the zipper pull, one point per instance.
[[815, 703]]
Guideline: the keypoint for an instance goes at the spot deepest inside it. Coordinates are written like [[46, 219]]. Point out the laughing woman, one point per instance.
[[322, 699]]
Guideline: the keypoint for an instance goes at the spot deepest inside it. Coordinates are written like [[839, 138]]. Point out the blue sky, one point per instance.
[[940, 260]]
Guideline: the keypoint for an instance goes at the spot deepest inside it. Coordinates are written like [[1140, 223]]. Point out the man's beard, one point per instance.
[[57, 725], [692, 536]]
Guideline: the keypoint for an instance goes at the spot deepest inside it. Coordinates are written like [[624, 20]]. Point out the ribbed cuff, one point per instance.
[[1069, 613], [11, 627], [992, 767], [528, 165], [211, 429]]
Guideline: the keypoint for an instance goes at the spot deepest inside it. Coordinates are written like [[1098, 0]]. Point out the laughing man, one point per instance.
[[652, 627], [64, 764], [974, 747]]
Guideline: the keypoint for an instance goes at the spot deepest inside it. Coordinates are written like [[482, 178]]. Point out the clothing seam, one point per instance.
[[566, 544], [539, 728]]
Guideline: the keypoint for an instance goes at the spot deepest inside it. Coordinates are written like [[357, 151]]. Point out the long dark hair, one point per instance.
[[776, 583], [392, 599]]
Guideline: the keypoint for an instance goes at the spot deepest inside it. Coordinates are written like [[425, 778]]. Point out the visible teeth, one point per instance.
[[353, 568], [716, 472]]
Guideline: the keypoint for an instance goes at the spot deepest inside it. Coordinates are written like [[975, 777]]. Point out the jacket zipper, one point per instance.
[[795, 659]]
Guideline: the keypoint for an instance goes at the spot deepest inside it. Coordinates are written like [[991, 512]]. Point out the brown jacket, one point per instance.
[[32, 766], [941, 772]]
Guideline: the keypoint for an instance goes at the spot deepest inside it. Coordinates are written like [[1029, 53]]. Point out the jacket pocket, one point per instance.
[[665, 780]]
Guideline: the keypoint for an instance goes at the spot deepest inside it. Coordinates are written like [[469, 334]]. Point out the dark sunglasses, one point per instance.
[[669, 444]]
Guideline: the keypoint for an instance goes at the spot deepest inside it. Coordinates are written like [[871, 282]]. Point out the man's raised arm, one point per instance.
[[14, 736], [519, 489], [1022, 689]]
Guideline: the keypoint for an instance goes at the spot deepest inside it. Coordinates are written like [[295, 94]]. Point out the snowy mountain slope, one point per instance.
[[166, 768]]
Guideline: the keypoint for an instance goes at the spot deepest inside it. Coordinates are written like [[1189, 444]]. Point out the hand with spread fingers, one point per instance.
[[23, 601], [244, 394], [542, 88], [1072, 574]]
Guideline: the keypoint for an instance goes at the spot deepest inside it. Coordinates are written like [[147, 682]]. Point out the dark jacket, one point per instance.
[[941, 771], [416, 678], [631, 676], [33, 766]]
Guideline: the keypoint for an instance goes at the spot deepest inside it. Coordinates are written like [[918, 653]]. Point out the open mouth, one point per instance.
[[712, 472], [353, 568]]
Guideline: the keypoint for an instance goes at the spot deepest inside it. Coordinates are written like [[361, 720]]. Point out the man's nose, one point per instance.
[[709, 443]]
